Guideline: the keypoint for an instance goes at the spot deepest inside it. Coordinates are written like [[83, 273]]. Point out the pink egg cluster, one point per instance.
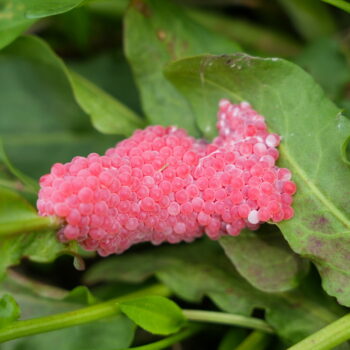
[[163, 185]]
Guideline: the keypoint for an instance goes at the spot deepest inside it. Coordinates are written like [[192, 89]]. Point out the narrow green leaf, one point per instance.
[[252, 36], [265, 259], [325, 60], [232, 338], [311, 18], [20, 217], [345, 151], [157, 32], [80, 295], [155, 314], [17, 215], [32, 184], [313, 132], [342, 4], [9, 310]]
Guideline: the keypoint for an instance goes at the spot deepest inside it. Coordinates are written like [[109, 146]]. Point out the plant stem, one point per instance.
[[72, 318], [230, 319], [173, 339], [328, 337], [40, 288], [257, 340], [35, 224], [17, 186]]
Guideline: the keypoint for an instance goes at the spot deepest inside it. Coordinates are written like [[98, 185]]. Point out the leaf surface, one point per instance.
[[18, 15], [39, 246], [202, 269], [155, 314], [264, 258], [313, 132], [157, 32], [42, 101], [9, 310], [111, 333]]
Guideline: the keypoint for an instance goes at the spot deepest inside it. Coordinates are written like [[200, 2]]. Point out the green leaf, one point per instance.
[[265, 259], [342, 4], [19, 216], [32, 184], [311, 18], [155, 314], [157, 32], [7, 35], [54, 123], [80, 295], [201, 268], [313, 132], [251, 35], [9, 310], [111, 333], [18, 15], [16, 10], [103, 108], [232, 339], [103, 68]]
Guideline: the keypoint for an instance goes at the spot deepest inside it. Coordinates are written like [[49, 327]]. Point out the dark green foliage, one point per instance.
[[84, 76]]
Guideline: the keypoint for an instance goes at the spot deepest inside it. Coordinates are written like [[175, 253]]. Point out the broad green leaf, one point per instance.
[[103, 68], [103, 108], [265, 259], [313, 132], [9, 310], [19, 216], [157, 32], [201, 268], [111, 333], [155, 314], [342, 4], [325, 60], [311, 18], [42, 116], [7, 35], [107, 113]]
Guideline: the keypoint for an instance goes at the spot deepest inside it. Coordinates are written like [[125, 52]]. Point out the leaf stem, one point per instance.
[[40, 288], [229, 319], [328, 337], [173, 339], [17, 186], [35, 224], [73, 318], [256, 340]]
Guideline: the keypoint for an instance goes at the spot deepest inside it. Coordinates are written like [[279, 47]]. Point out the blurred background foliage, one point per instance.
[[53, 88]]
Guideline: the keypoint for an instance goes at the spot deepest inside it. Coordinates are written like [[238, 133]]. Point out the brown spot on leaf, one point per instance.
[[315, 246], [141, 7], [161, 35], [320, 223]]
